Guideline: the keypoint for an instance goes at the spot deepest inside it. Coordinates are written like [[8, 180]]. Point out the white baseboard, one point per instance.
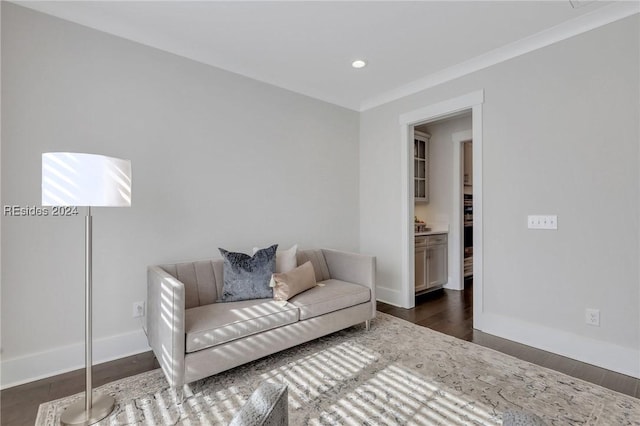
[[24, 369], [389, 295], [453, 284], [607, 355]]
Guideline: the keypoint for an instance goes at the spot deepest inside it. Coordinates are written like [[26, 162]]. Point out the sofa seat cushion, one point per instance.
[[328, 296], [217, 323]]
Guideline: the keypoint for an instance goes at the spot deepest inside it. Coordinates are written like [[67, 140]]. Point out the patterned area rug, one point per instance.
[[396, 374]]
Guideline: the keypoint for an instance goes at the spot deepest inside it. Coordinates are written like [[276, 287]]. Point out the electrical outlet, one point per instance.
[[592, 317], [138, 309], [542, 221]]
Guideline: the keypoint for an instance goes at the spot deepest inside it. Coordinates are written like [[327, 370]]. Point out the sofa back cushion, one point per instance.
[[316, 258], [202, 280]]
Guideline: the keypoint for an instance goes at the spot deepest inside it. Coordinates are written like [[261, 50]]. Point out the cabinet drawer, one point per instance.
[[436, 239], [421, 241]]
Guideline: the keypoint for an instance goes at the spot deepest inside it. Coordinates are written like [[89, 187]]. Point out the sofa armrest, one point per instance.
[[354, 268], [165, 322]]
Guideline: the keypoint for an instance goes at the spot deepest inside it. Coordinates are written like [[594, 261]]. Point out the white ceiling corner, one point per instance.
[[308, 47], [578, 25]]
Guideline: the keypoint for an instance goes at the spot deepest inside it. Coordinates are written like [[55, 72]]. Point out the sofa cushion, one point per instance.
[[211, 325], [248, 277], [328, 296]]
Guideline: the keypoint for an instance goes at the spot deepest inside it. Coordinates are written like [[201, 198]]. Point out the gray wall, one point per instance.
[[218, 160], [223, 161], [560, 136]]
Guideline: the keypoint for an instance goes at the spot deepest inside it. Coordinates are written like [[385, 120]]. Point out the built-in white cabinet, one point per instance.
[[431, 262], [421, 166], [437, 255]]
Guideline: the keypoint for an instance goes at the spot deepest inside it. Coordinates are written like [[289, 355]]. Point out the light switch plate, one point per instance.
[[542, 221]]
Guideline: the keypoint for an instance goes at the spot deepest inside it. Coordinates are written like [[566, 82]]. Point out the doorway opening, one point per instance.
[[441, 184], [442, 207]]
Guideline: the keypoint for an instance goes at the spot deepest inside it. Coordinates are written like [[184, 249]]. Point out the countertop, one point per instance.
[[435, 229]]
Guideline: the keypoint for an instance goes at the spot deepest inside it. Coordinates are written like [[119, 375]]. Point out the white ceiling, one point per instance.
[[307, 47]]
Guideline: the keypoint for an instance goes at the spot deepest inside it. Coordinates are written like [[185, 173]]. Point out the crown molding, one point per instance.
[[598, 18]]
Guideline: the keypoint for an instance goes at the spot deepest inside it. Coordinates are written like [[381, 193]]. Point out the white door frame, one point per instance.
[[473, 101]]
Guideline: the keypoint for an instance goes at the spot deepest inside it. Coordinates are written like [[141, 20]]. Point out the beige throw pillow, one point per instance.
[[288, 284]]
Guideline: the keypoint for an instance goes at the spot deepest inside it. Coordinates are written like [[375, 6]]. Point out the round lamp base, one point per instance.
[[75, 414]]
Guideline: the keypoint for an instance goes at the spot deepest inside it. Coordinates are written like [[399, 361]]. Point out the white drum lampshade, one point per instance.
[[76, 179]]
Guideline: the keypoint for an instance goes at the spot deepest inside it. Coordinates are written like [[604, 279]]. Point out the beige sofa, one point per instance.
[[194, 337]]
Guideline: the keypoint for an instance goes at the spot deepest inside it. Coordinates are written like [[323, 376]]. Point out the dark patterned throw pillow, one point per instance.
[[248, 277]]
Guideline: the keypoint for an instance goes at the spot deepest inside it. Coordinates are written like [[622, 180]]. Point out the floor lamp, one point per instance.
[[69, 180]]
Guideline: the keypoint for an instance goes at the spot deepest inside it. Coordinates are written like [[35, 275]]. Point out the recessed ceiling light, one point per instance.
[[358, 63]]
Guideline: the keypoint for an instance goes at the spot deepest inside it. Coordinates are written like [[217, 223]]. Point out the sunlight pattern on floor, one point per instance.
[[396, 374], [396, 395]]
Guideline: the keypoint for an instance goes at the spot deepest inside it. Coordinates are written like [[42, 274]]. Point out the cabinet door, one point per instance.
[[437, 273], [421, 167], [421, 268]]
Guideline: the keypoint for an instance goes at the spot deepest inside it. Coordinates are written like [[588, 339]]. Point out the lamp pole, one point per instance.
[[88, 412], [88, 312]]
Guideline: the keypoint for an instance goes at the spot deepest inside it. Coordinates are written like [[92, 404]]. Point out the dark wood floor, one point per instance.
[[446, 311]]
